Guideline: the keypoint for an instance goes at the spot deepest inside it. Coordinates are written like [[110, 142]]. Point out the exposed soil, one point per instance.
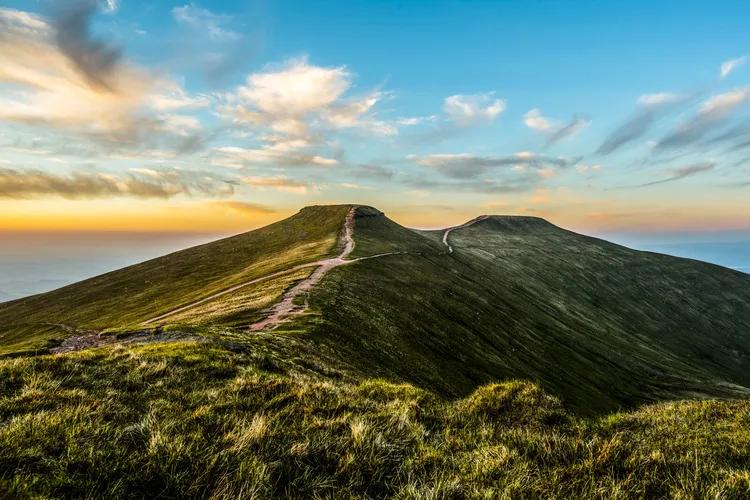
[[91, 340]]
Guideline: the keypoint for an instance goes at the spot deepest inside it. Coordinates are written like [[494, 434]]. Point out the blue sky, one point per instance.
[[601, 116]]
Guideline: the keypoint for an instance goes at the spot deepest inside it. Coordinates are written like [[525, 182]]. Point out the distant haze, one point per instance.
[[32, 263]]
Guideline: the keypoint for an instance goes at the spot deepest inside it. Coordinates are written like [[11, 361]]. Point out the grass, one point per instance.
[[128, 296], [600, 326], [531, 362], [200, 420]]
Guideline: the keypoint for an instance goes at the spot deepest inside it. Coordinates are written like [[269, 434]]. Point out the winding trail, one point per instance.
[[230, 290], [465, 224], [286, 306]]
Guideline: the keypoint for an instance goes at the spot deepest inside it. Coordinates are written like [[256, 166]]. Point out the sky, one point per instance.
[[216, 117]]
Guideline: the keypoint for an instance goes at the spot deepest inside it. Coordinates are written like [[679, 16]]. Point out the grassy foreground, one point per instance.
[[197, 419]]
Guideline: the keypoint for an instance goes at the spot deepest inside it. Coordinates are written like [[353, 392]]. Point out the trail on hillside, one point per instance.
[[287, 307], [465, 224], [230, 290]]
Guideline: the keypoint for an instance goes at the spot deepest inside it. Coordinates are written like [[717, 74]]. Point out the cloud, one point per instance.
[[244, 207], [534, 120], [111, 5], [374, 172], [95, 59], [285, 154], [279, 183], [683, 172], [523, 171], [284, 98], [410, 121], [651, 107], [554, 131], [468, 110], [571, 129], [143, 183], [728, 66], [465, 165], [58, 77], [205, 21], [293, 107], [711, 113]]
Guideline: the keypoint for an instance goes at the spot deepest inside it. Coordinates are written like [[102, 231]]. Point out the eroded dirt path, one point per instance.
[[230, 290], [286, 307], [465, 224]]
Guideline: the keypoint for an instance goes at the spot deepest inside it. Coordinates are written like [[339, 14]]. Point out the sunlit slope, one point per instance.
[[134, 294], [597, 324]]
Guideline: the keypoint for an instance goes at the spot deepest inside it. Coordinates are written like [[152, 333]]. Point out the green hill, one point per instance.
[[127, 297], [598, 325], [492, 360]]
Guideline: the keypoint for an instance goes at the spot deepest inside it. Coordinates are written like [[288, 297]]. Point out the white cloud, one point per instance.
[[467, 110], [296, 97], [728, 66], [292, 108], [535, 121]]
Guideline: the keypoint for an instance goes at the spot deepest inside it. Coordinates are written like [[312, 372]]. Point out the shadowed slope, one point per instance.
[[597, 324]]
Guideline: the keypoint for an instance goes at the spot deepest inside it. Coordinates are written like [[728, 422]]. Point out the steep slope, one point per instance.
[[132, 295], [599, 325]]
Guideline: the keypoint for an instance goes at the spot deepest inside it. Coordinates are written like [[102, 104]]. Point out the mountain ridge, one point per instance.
[[498, 297]]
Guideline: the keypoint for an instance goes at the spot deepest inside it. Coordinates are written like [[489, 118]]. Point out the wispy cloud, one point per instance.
[[714, 111], [206, 21], [244, 207], [465, 165], [374, 172], [284, 154], [554, 130], [728, 66], [144, 183], [279, 183], [683, 172], [522, 171], [651, 107]]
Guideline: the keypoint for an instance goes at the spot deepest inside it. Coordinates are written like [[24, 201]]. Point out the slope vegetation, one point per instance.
[[599, 325], [130, 296], [194, 420]]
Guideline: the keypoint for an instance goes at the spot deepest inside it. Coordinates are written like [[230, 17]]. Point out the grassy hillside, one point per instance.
[[498, 370], [199, 420], [598, 325], [128, 296]]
